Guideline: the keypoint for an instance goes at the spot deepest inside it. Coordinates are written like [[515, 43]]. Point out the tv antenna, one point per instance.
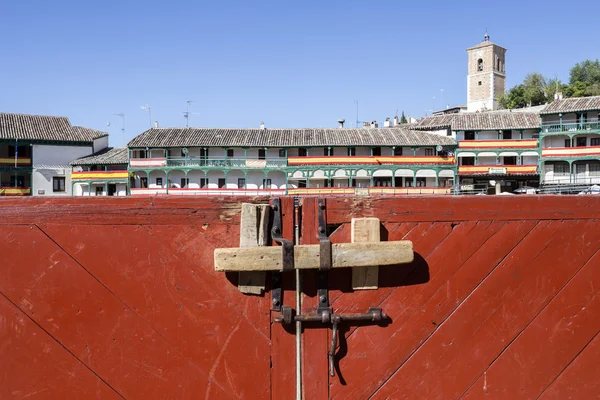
[[147, 108], [187, 113]]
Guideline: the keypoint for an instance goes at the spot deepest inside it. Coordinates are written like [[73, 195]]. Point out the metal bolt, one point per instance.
[[275, 302], [276, 231], [322, 298], [321, 229], [275, 208]]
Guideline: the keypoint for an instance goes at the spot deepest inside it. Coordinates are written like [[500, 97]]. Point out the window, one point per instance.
[[241, 183], [353, 183], [468, 160], [595, 142], [262, 154], [185, 182], [428, 152], [567, 142], [266, 183], [221, 183], [351, 151], [469, 135], [398, 151], [595, 169], [376, 151], [142, 154], [409, 182], [480, 66], [204, 153], [144, 183], [282, 153], [17, 181], [506, 135], [421, 182], [398, 181], [183, 153], [581, 142], [561, 169], [302, 152], [497, 64], [58, 183], [327, 183], [327, 151], [302, 184], [203, 182], [580, 169], [229, 153], [512, 160], [479, 83], [99, 191], [159, 181]]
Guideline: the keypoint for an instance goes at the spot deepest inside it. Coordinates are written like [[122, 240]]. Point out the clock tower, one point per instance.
[[486, 79]]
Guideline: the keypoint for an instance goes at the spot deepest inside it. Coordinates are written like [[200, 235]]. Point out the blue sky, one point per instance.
[[289, 64]]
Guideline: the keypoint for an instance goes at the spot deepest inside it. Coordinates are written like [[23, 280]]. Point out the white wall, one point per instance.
[[554, 141], [100, 143], [53, 161]]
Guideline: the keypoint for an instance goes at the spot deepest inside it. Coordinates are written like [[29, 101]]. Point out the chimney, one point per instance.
[[366, 125], [156, 124], [374, 124], [558, 96], [262, 126], [396, 121], [341, 122], [387, 123]]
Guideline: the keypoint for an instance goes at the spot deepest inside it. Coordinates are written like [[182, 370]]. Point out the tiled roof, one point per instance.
[[107, 156], [223, 137], [89, 133], [43, 127], [435, 122], [484, 44], [574, 104], [495, 120]]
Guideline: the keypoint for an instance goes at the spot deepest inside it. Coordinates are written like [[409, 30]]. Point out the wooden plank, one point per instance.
[[34, 365], [496, 312], [552, 340], [344, 255], [580, 379], [365, 230], [179, 299], [254, 226]]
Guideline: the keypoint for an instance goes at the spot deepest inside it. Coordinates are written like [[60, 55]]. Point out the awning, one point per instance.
[[426, 173], [486, 154], [404, 172], [508, 154], [383, 172], [446, 173], [465, 154], [530, 153]]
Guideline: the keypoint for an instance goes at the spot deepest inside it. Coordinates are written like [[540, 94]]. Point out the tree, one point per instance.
[[584, 79], [534, 85], [403, 119], [554, 86], [515, 98]]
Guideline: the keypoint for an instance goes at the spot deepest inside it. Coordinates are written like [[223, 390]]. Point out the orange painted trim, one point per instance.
[[87, 175], [11, 161], [379, 160], [571, 151], [493, 144], [484, 169]]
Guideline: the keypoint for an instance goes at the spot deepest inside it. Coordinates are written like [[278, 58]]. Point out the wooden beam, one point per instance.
[[365, 230], [307, 256], [254, 226]]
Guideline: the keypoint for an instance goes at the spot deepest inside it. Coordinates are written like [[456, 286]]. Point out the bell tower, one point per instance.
[[486, 79]]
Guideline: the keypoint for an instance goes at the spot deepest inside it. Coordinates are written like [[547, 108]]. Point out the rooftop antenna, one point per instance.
[[186, 113], [147, 108], [108, 126], [356, 102], [122, 115], [486, 38]]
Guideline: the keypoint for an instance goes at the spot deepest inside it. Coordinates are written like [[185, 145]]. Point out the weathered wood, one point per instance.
[[254, 226], [307, 256], [365, 230]]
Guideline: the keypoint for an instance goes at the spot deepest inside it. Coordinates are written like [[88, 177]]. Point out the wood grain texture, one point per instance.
[[254, 232], [344, 255], [365, 230]]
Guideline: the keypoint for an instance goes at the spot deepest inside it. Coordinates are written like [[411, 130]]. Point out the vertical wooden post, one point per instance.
[[365, 230], [254, 227]]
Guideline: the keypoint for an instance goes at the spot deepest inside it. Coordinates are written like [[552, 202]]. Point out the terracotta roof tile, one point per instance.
[[43, 127], [107, 156], [574, 104], [495, 120]]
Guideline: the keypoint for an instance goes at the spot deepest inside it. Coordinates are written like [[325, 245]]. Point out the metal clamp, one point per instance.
[[287, 248], [324, 262]]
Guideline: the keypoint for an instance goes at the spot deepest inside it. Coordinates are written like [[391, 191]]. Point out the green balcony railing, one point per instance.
[[226, 162], [570, 127]]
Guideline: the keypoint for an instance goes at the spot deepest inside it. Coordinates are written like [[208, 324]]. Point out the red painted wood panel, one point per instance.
[[580, 379], [499, 309], [36, 366], [554, 338]]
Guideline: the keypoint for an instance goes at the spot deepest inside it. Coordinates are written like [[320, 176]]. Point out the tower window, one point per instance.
[[480, 65], [479, 83], [498, 64]]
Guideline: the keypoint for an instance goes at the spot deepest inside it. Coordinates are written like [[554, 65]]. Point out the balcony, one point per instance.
[[15, 162], [575, 127], [377, 160], [498, 169], [100, 176], [569, 152], [14, 191], [208, 162], [498, 144]]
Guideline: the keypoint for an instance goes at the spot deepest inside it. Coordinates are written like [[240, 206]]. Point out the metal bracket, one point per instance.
[[287, 248], [324, 263]]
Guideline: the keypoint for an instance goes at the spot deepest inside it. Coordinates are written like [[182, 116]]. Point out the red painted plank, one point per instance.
[[34, 365], [315, 369], [377, 352], [463, 208], [452, 359], [283, 343], [91, 322], [580, 379], [549, 343], [177, 297]]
